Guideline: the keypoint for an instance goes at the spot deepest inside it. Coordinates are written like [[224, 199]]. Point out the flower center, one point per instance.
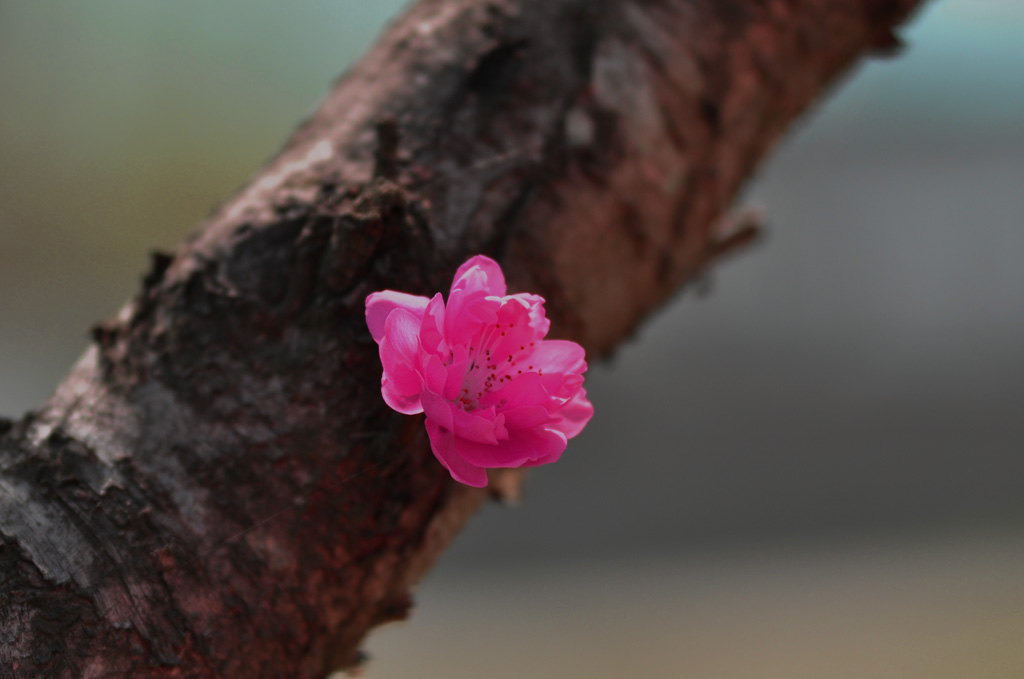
[[497, 355]]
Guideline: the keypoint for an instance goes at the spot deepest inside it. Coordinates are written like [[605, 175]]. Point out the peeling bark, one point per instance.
[[217, 488]]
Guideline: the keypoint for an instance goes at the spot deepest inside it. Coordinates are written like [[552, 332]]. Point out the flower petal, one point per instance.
[[477, 426], [480, 426], [574, 415], [379, 306], [528, 417], [514, 338], [467, 313], [438, 410], [561, 386], [522, 447], [443, 443], [403, 403], [538, 319], [560, 356], [480, 273], [399, 355], [522, 391], [455, 374], [434, 374], [545, 459], [432, 336]]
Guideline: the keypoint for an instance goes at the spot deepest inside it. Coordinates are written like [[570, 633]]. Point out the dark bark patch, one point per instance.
[[712, 115], [259, 269], [394, 609], [197, 296], [507, 223], [104, 334], [158, 265], [386, 154], [584, 40], [605, 149], [491, 78], [632, 224]]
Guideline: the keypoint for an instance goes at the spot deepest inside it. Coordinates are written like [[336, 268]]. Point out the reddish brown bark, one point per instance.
[[217, 489]]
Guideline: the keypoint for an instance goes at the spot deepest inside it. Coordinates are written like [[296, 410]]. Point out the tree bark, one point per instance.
[[217, 489]]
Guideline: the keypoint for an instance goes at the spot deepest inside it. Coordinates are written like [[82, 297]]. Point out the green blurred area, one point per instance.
[[121, 125]]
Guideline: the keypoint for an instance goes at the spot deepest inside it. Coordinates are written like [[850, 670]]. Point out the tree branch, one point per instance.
[[217, 488]]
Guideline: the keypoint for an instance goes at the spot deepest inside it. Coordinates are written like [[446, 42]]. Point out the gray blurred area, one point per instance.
[[814, 470]]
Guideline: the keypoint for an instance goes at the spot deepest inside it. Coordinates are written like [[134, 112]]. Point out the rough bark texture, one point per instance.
[[217, 489]]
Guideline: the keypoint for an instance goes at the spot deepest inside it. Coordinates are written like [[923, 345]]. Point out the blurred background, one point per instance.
[[814, 471]]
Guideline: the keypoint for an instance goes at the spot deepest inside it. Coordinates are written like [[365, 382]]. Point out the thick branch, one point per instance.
[[217, 489]]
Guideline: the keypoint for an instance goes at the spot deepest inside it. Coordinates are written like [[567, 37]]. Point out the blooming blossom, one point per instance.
[[494, 391]]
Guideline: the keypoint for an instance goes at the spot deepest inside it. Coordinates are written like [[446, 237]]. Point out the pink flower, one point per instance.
[[495, 392]]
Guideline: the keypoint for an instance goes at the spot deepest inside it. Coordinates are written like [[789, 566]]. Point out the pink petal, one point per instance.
[[468, 312], [561, 386], [523, 391], [481, 426], [443, 443], [455, 374], [515, 337], [480, 273], [399, 356], [545, 459], [379, 306], [529, 417], [438, 410], [434, 374], [522, 447], [407, 404], [538, 320], [574, 415], [484, 308], [432, 330], [560, 356], [477, 426]]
